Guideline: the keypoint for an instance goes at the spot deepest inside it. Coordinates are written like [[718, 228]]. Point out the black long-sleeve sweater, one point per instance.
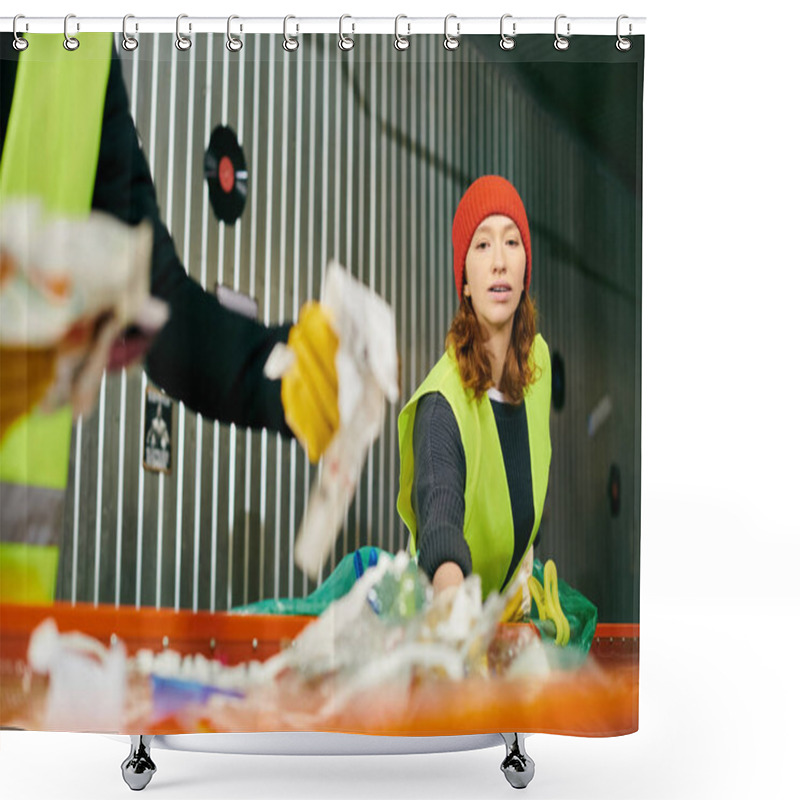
[[206, 356], [440, 477]]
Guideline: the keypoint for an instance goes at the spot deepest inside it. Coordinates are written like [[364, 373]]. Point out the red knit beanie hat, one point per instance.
[[489, 194]]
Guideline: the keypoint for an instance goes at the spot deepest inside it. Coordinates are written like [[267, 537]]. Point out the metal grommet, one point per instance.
[[182, 42], [346, 42], [234, 43], [623, 44], [129, 43], [401, 42], [561, 43], [290, 43], [70, 42], [451, 42], [19, 43], [507, 42]]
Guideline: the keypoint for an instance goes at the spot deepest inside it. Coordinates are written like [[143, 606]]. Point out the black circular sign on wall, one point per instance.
[[226, 174], [558, 386]]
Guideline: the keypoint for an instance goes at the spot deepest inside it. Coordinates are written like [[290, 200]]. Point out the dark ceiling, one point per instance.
[[591, 87]]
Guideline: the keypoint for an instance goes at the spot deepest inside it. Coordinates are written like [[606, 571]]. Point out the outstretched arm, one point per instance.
[[440, 470], [210, 358]]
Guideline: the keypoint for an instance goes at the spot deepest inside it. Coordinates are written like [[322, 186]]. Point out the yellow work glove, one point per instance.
[[25, 376], [310, 388]]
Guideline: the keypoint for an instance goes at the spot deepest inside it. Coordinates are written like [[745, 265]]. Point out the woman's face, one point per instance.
[[495, 271]]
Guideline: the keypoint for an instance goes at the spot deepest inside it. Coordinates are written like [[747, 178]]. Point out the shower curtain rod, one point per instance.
[[349, 25]]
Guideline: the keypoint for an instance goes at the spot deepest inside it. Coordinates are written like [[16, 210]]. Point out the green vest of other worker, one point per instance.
[[50, 155], [488, 522]]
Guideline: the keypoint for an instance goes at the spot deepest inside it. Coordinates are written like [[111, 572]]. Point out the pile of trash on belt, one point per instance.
[[387, 632]]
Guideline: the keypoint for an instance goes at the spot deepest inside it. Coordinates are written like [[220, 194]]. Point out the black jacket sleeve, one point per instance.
[[207, 356], [437, 492]]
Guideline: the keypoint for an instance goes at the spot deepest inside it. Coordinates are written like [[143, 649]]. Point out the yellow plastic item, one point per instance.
[[25, 376], [547, 602], [310, 388], [513, 609], [537, 595]]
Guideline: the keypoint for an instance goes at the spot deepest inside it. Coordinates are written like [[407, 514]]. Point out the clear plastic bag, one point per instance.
[[366, 366]]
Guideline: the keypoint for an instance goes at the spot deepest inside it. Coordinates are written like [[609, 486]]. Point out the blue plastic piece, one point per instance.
[[172, 695], [358, 564]]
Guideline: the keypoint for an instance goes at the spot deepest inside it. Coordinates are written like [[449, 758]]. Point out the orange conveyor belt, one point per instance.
[[597, 700]]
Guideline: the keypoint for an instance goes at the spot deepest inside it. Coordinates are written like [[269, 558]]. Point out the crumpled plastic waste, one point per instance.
[[388, 626], [366, 366], [389, 638], [87, 685], [540, 658], [75, 283], [400, 594], [390, 629], [348, 630]]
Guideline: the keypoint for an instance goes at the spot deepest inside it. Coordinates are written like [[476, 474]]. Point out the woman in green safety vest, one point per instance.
[[475, 437]]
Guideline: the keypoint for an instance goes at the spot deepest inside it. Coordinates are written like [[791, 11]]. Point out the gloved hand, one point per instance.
[[25, 376], [310, 388]]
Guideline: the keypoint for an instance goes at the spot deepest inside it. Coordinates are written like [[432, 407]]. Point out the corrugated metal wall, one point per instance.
[[361, 157]]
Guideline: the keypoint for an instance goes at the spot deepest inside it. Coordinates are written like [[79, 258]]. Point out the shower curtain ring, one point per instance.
[[451, 42], [623, 44], [234, 43], [507, 42], [401, 42], [70, 42], [182, 42], [129, 43], [19, 43], [560, 42], [346, 42], [290, 43]]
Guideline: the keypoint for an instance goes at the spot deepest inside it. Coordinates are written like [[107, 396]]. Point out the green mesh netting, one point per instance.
[[336, 585]]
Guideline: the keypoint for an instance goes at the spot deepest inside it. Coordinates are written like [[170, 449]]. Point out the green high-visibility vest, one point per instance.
[[50, 154], [488, 521]]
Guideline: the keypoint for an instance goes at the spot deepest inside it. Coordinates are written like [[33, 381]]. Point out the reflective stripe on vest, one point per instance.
[[488, 521], [50, 154]]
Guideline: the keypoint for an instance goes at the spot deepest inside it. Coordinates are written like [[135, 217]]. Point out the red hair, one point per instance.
[[466, 339]]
